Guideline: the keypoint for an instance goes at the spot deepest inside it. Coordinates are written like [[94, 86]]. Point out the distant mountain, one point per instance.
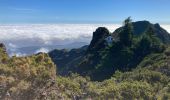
[[23, 51], [100, 61]]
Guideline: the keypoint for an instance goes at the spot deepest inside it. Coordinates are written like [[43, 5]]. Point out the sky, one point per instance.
[[30, 23], [83, 11]]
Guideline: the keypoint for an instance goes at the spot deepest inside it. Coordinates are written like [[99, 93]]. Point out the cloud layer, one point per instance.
[[36, 34], [166, 27], [22, 35], [17, 36]]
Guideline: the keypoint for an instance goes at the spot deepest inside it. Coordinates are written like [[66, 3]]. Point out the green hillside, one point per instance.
[[130, 44], [131, 67], [33, 78]]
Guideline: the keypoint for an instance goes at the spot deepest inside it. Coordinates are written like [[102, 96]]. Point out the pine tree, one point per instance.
[[127, 33]]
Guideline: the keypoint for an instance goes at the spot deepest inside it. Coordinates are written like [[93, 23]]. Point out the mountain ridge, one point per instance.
[[141, 26], [93, 55]]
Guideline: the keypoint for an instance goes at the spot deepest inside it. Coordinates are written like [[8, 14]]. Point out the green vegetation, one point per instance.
[[123, 55], [126, 35], [23, 77], [149, 81], [131, 44], [136, 67]]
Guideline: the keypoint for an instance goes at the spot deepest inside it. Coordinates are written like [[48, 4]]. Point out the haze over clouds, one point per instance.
[[47, 34], [18, 36]]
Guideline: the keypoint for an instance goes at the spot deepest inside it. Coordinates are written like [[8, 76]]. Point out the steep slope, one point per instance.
[[101, 60], [68, 61], [98, 39]]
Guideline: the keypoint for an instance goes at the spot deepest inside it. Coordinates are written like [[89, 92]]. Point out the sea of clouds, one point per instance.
[[28, 35]]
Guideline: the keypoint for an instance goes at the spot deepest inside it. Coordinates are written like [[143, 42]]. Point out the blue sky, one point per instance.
[[83, 11]]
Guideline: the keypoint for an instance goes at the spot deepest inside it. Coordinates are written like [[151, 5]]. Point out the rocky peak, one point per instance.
[[157, 25], [98, 39]]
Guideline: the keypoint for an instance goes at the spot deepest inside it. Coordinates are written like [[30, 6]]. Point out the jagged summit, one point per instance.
[[98, 39]]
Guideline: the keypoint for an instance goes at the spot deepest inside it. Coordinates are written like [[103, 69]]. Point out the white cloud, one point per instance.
[[41, 34], [44, 50], [167, 27], [17, 54], [11, 45], [23, 35]]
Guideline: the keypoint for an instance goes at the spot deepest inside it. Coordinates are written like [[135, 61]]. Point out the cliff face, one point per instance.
[[98, 39]]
